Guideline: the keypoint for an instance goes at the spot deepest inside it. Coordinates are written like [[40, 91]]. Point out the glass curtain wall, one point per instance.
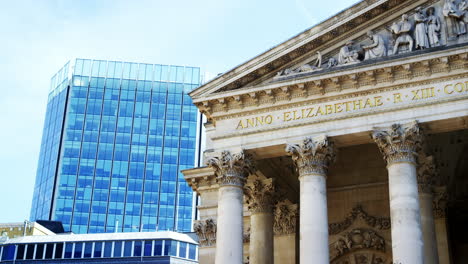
[[129, 129]]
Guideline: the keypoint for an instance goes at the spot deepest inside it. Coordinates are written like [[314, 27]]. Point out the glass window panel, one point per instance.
[[30, 251], [148, 248], [98, 249], [107, 249], [137, 246], [78, 250], [59, 251], [192, 251], [117, 249], [88, 249], [20, 252], [49, 251], [167, 247], [39, 251], [128, 249], [158, 247], [8, 252], [183, 249]]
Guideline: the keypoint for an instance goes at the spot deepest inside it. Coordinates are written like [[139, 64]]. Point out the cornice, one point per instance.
[[348, 79]]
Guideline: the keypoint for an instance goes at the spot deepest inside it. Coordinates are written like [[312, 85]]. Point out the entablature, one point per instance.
[[396, 70]]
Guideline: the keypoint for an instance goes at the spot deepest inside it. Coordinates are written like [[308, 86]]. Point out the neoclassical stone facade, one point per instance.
[[346, 144]]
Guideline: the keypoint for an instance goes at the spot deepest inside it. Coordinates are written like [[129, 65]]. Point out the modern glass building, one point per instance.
[[115, 138]]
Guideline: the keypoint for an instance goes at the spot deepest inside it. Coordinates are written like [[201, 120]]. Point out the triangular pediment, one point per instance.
[[317, 50]]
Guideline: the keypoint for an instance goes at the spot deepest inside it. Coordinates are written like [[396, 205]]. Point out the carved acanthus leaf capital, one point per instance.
[[232, 169], [426, 173], [313, 156], [439, 202], [399, 143], [261, 195], [286, 215], [206, 232]]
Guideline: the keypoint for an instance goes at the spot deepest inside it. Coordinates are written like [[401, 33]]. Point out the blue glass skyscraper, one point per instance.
[[116, 136]]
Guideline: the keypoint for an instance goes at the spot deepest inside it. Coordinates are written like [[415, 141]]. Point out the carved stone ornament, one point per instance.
[[313, 156], [285, 219], [232, 169], [316, 66], [381, 223], [347, 55], [358, 239], [206, 232], [439, 203], [399, 143], [401, 32], [246, 236], [260, 195], [426, 173]]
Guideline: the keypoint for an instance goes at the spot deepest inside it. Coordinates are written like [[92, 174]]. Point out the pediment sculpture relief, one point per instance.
[[419, 30], [456, 15]]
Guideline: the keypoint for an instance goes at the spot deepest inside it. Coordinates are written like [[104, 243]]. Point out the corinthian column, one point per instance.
[[399, 145], [260, 195], [312, 159], [426, 171], [231, 171]]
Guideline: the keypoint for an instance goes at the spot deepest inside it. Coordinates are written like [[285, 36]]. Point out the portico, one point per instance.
[[340, 162]]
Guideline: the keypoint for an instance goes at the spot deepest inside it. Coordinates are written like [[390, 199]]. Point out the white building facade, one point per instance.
[[347, 143]]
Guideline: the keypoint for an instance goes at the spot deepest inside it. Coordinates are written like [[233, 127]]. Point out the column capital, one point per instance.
[[206, 232], [439, 202], [232, 169], [313, 155], [399, 143], [426, 173], [285, 218], [261, 195]]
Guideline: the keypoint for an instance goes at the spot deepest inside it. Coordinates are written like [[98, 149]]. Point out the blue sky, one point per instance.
[[39, 37]]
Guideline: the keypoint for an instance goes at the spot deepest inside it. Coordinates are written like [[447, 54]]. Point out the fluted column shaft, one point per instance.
[[260, 197], [312, 158], [399, 145], [231, 171]]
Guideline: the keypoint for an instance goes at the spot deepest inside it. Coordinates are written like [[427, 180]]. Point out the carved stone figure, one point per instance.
[[331, 63], [401, 31], [455, 18], [311, 67], [316, 66], [420, 30], [347, 55], [433, 27], [377, 49]]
